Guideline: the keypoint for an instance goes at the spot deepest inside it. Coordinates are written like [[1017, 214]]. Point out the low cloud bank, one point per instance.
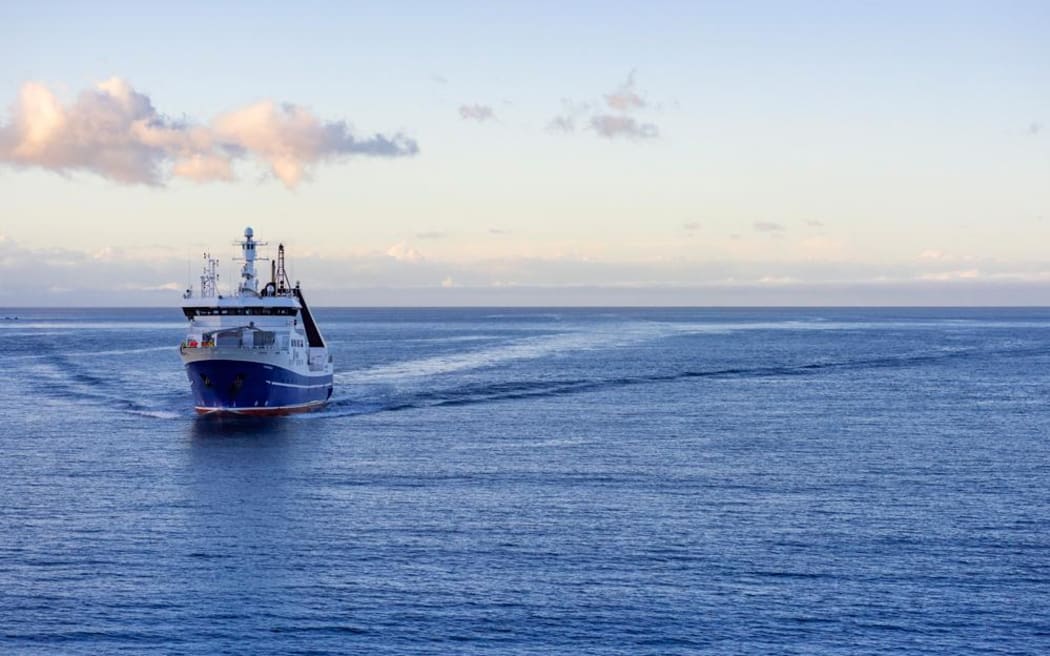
[[402, 275]]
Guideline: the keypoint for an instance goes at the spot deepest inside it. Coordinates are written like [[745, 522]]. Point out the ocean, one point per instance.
[[537, 481]]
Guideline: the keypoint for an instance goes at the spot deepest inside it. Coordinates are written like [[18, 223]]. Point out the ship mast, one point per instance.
[[249, 281]]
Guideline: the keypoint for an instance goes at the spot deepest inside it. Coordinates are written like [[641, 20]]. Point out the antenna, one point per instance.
[[209, 277], [189, 277], [281, 275]]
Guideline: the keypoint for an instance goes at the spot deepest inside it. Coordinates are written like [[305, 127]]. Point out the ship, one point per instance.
[[257, 350]]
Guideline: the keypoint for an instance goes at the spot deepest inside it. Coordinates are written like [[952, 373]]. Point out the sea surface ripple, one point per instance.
[[537, 481]]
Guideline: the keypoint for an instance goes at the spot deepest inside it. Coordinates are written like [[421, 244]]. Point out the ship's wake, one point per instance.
[[369, 399], [469, 377], [73, 380]]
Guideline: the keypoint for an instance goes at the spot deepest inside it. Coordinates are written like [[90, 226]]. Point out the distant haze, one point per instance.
[[660, 153]]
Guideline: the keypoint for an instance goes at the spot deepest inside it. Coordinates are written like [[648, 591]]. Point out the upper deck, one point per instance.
[[276, 306], [243, 306], [277, 298]]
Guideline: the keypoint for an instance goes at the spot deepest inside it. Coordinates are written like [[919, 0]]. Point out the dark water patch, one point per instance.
[[223, 426]]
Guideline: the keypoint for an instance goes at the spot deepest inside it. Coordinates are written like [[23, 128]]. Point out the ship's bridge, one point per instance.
[[193, 312], [243, 305]]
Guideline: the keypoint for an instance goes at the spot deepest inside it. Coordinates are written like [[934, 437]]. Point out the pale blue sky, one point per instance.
[[798, 145]]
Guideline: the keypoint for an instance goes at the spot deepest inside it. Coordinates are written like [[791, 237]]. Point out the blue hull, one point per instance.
[[254, 388]]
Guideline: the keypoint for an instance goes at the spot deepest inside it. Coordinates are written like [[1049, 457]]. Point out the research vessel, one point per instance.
[[254, 351]]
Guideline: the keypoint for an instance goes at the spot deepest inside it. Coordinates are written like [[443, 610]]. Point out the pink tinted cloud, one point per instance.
[[624, 98], [114, 131]]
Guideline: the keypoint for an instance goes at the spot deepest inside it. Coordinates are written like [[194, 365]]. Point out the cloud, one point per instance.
[[61, 277], [110, 272], [612, 123], [691, 226], [931, 255], [815, 224], [290, 138], [562, 123], [163, 287], [434, 234], [476, 112], [402, 252], [204, 168], [1035, 128], [768, 226], [111, 130], [571, 114], [114, 131], [624, 98], [499, 231], [946, 276], [613, 126]]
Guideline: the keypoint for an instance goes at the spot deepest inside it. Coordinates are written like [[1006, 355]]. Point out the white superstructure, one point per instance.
[[254, 348]]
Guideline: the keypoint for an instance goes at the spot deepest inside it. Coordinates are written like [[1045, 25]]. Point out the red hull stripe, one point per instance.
[[261, 412]]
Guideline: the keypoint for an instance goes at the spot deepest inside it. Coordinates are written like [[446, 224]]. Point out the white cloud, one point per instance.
[[402, 252], [114, 131], [123, 276], [204, 167], [945, 276], [937, 255], [162, 287]]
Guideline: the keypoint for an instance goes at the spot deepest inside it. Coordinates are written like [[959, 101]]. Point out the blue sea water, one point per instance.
[[527, 481]]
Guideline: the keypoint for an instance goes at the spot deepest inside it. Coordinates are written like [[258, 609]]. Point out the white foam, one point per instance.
[[530, 348], [160, 414]]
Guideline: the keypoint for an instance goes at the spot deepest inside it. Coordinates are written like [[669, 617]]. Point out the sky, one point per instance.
[[543, 153]]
